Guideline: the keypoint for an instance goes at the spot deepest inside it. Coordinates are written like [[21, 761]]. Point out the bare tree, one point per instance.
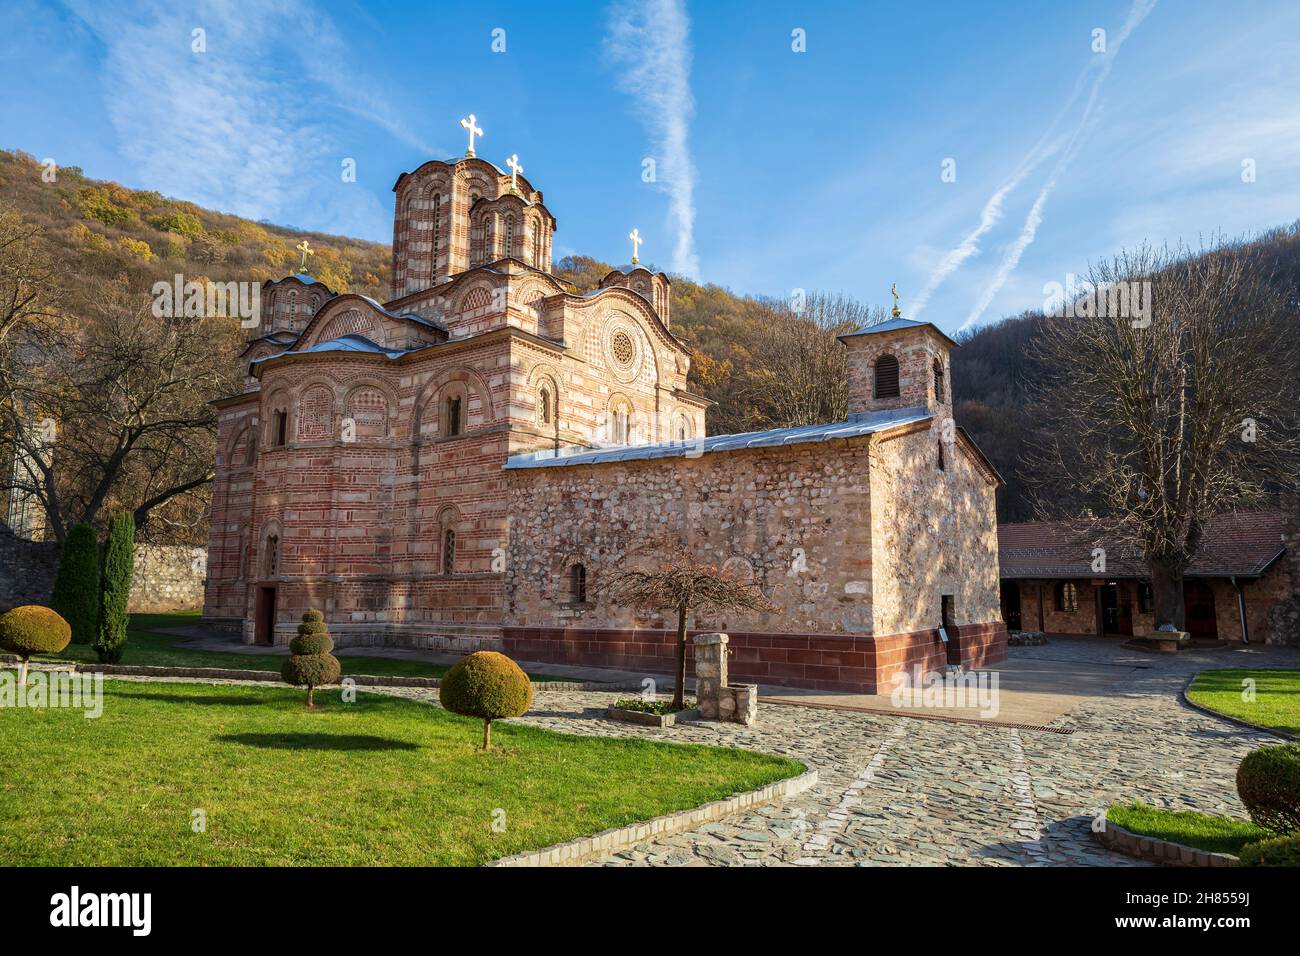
[[683, 584], [1157, 422], [127, 394]]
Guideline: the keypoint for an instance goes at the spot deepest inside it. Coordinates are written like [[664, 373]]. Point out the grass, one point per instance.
[[382, 781], [1188, 827], [1277, 696], [146, 647]]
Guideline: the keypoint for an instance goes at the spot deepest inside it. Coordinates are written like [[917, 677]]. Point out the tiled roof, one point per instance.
[[1242, 543], [863, 425]]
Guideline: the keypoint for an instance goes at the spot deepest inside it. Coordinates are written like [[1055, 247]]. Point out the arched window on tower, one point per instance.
[[938, 380], [433, 254], [508, 248], [886, 384], [537, 244], [453, 419], [544, 408]]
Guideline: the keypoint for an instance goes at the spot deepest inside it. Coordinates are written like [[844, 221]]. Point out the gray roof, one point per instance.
[[347, 343], [859, 425], [895, 325]]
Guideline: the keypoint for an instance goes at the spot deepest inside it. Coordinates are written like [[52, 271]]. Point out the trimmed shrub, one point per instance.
[[311, 664], [32, 629], [76, 587], [115, 590], [486, 685], [1268, 782], [1279, 851]]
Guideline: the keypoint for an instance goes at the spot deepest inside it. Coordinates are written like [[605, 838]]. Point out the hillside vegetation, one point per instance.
[[763, 364]]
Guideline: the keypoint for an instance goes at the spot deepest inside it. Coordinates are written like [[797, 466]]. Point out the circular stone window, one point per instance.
[[622, 348]]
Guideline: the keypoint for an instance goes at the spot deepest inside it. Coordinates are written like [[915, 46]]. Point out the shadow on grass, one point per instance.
[[316, 742], [202, 699]]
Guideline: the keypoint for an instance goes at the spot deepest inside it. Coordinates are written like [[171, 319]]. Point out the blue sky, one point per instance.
[[776, 169]]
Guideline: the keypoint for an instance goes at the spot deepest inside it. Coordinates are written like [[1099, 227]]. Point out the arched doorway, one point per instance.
[[1198, 609]]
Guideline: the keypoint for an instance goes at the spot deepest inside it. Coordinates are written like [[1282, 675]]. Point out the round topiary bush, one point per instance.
[[32, 629], [1268, 782], [486, 685], [1280, 851], [311, 664]]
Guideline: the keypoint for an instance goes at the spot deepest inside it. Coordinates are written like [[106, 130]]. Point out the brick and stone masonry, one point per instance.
[[363, 469]]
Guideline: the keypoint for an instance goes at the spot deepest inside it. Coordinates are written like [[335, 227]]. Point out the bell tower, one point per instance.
[[899, 363]]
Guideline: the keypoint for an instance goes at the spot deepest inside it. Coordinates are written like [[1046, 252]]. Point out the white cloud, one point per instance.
[[649, 43], [226, 128]]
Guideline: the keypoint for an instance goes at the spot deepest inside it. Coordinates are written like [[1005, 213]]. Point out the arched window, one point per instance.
[[453, 419], [293, 307], [449, 551], [620, 423], [544, 405], [1067, 597], [272, 555], [578, 584], [886, 377], [279, 428], [433, 255], [510, 236], [938, 380], [537, 244]]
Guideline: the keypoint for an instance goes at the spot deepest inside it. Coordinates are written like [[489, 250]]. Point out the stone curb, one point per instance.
[[273, 677], [605, 842], [1271, 731], [1155, 850]]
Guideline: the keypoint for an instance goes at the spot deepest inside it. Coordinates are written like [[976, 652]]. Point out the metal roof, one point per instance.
[[347, 343], [895, 325], [693, 448]]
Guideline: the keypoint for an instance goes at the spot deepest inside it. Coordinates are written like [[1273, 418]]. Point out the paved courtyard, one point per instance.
[[908, 791]]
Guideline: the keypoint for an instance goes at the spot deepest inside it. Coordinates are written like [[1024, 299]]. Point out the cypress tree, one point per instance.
[[76, 587], [115, 589]]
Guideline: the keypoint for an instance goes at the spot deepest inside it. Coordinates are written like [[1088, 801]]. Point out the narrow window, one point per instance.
[[437, 212], [578, 584], [453, 415], [544, 406], [886, 377], [537, 244], [510, 235], [1067, 597], [272, 555], [281, 428], [1145, 602], [449, 551], [941, 462], [938, 381]]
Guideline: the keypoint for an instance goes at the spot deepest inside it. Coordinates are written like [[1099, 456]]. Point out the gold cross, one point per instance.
[[893, 289], [306, 251]]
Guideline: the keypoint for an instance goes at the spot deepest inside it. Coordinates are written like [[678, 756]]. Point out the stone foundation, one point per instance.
[[836, 662]]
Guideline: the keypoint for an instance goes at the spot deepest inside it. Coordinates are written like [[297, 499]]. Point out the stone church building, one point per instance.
[[461, 466]]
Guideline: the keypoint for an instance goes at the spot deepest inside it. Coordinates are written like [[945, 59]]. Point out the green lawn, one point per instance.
[[384, 781], [145, 647], [1277, 696], [1188, 827]]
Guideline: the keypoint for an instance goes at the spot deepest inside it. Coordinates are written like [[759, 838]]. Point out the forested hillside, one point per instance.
[[763, 362]]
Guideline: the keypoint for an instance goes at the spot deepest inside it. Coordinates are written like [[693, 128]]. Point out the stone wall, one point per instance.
[[167, 577]]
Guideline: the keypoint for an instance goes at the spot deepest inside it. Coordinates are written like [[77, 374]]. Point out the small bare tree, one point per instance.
[[683, 584], [1155, 422]]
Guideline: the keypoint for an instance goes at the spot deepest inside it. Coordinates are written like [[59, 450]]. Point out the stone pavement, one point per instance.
[[910, 791]]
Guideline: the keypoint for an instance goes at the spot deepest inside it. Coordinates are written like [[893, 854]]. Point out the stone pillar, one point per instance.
[[710, 673], [715, 698]]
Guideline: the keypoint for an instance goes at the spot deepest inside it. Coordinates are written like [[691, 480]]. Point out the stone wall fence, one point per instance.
[[168, 577]]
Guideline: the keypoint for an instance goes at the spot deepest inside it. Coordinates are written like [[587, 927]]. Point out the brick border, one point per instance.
[[1182, 696], [273, 677], [1155, 850], [605, 842]]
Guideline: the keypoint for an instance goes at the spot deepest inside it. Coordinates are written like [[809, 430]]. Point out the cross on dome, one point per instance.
[[635, 236], [515, 168], [471, 123], [306, 251]]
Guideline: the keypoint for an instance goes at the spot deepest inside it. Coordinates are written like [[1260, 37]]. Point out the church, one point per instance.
[[458, 467]]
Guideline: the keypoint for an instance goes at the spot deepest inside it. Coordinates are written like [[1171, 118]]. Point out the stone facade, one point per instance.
[[367, 469], [715, 697]]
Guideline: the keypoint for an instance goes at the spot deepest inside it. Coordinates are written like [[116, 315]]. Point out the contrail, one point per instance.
[[651, 40], [1029, 231], [1046, 147]]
